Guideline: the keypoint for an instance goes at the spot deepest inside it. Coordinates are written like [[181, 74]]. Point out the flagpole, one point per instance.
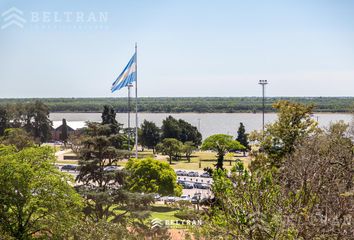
[[136, 102], [129, 110]]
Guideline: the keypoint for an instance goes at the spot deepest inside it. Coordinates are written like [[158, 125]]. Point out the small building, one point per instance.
[[56, 132]]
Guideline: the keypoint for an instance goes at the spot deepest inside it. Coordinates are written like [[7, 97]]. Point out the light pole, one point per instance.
[[263, 83]]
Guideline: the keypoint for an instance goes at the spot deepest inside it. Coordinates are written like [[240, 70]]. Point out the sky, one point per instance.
[[77, 48]]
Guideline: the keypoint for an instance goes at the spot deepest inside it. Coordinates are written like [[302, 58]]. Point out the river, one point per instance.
[[209, 123]]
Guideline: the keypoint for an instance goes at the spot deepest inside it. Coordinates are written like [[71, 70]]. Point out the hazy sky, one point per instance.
[[77, 48]]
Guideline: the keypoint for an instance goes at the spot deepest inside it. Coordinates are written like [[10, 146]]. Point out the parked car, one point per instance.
[[180, 182], [198, 185], [110, 168], [157, 197], [205, 175], [204, 186], [193, 174], [185, 198], [188, 185], [69, 167], [170, 199], [179, 173], [195, 199]]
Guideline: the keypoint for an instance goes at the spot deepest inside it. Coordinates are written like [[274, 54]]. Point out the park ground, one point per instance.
[[198, 161]]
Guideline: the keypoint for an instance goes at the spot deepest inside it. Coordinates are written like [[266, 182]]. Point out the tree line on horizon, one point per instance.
[[188, 104]]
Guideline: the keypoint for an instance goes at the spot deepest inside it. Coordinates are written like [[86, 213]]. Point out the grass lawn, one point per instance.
[[163, 212], [197, 156], [194, 164]]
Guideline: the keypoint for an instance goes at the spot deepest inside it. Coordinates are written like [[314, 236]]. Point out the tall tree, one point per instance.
[[152, 176], [109, 118], [188, 148], [242, 137], [171, 147], [150, 135], [222, 144], [189, 133], [37, 121], [319, 176], [246, 206], [4, 119], [103, 190], [293, 124], [180, 130], [36, 199], [170, 128]]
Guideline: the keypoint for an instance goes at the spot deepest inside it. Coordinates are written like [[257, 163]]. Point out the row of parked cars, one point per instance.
[[197, 198], [191, 185], [70, 167], [192, 174]]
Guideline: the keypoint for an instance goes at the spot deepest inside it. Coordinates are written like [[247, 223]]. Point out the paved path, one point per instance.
[[60, 154]]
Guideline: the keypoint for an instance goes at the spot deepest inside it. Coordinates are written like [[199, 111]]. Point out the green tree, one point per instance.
[[188, 148], [242, 137], [104, 190], [64, 133], [189, 133], [180, 130], [152, 176], [222, 144], [109, 119], [36, 198], [17, 137], [293, 124], [37, 121], [247, 206], [171, 147], [4, 119], [170, 128], [150, 135]]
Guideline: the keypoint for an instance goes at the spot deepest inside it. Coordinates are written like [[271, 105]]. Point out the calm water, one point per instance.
[[210, 123]]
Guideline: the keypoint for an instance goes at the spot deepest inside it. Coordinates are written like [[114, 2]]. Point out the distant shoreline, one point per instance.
[[188, 104]]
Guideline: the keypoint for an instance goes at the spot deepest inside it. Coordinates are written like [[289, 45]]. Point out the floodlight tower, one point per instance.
[[263, 83]]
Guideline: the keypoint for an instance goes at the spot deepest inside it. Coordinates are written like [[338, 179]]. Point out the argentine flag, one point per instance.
[[127, 77]]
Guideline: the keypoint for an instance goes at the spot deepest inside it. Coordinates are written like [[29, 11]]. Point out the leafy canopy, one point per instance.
[[35, 198], [150, 134], [152, 176], [170, 146], [293, 124], [221, 143]]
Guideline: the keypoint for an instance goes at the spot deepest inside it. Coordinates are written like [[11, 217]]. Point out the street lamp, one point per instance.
[[263, 83]]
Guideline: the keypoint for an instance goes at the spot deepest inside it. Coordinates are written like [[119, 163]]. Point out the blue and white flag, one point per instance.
[[127, 77]]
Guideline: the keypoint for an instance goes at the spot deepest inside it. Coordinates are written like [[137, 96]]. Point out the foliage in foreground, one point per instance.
[[36, 198], [299, 187]]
